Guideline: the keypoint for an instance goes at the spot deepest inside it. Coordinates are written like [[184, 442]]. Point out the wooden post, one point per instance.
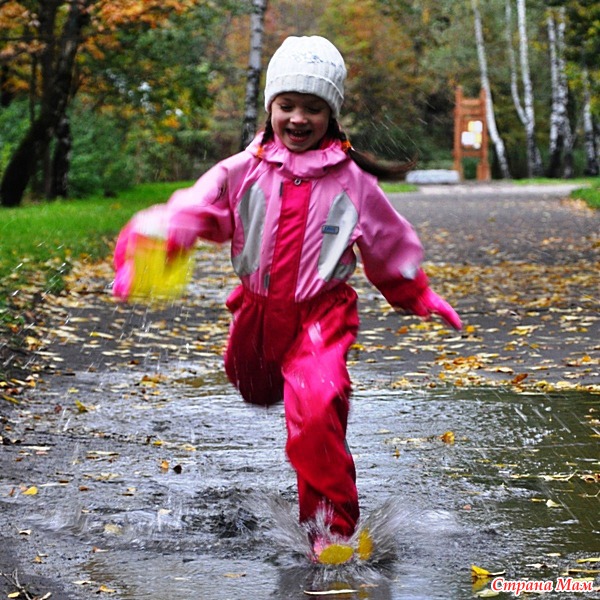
[[471, 133]]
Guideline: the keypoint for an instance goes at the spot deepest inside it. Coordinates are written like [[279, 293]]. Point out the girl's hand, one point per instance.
[[429, 303]]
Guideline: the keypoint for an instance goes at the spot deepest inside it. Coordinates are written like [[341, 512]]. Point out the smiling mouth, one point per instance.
[[298, 134]]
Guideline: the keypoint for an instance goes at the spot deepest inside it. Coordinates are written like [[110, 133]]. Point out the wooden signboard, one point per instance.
[[470, 133]]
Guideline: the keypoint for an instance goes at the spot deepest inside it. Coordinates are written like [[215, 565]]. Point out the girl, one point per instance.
[[294, 205]]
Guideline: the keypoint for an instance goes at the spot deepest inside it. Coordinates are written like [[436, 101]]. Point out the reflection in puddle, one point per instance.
[[517, 488]]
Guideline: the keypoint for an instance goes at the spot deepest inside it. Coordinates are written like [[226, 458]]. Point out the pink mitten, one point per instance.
[[429, 303], [123, 280], [120, 255], [123, 264]]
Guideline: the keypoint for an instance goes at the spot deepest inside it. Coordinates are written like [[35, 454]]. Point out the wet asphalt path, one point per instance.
[[150, 474]]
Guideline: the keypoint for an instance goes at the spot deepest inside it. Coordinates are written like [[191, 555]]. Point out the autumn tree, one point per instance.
[[43, 41]]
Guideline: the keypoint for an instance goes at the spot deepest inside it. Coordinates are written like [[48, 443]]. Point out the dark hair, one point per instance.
[[394, 171]]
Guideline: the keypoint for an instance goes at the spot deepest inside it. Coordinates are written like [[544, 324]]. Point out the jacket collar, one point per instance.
[[305, 165]]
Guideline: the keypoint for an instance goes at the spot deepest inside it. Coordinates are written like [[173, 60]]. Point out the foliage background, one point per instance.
[[159, 92]]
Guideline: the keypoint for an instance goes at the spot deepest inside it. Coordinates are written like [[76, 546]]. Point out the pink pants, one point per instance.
[[298, 353]]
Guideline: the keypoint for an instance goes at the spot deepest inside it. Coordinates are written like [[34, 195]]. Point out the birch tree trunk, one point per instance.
[[592, 168], [257, 22], [561, 139], [514, 83], [489, 105], [534, 159]]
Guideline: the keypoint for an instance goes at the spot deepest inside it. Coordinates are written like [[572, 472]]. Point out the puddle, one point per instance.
[[179, 478]]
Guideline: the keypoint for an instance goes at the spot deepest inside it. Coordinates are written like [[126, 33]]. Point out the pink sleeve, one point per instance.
[[391, 251], [202, 210]]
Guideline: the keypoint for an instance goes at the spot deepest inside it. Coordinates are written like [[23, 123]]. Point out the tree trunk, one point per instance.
[[6, 94], [534, 159], [57, 63], [257, 23], [591, 166], [489, 105], [62, 160], [514, 85], [561, 139]]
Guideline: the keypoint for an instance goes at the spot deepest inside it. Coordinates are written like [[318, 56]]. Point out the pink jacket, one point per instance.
[[241, 198]]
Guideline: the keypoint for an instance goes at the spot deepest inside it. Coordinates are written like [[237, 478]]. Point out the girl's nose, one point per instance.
[[298, 116]]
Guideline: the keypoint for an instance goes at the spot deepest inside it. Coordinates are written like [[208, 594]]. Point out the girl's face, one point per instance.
[[300, 121]]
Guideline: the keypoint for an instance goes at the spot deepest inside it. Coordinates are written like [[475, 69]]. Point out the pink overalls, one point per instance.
[[293, 220]]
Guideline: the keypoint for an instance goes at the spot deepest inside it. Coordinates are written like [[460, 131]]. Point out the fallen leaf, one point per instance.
[[81, 407], [480, 573], [448, 437], [112, 529], [10, 399], [99, 334], [593, 559], [30, 491], [583, 571], [487, 593]]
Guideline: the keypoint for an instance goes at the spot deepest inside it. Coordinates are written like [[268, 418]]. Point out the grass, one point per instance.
[[48, 236], [589, 191], [396, 187], [589, 194]]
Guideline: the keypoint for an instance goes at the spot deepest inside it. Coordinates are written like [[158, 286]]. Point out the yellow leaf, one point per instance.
[[448, 437], [30, 491], [99, 334], [583, 571], [593, 559], [81, 407], [14, 595], [106, 590], [479, 573], [164, 465], [552, 504]]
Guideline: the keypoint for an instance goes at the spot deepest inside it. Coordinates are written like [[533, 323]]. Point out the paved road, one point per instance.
[[521, 266]]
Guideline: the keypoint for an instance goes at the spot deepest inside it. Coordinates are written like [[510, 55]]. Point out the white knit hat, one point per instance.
[[308, 65]]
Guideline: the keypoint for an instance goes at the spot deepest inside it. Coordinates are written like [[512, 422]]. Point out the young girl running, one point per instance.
[[294, 205]]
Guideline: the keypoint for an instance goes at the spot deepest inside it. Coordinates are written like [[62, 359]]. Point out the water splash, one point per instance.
[[292, 539]]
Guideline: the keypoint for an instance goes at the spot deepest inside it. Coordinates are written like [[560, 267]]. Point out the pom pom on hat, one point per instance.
[[307, 65]]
